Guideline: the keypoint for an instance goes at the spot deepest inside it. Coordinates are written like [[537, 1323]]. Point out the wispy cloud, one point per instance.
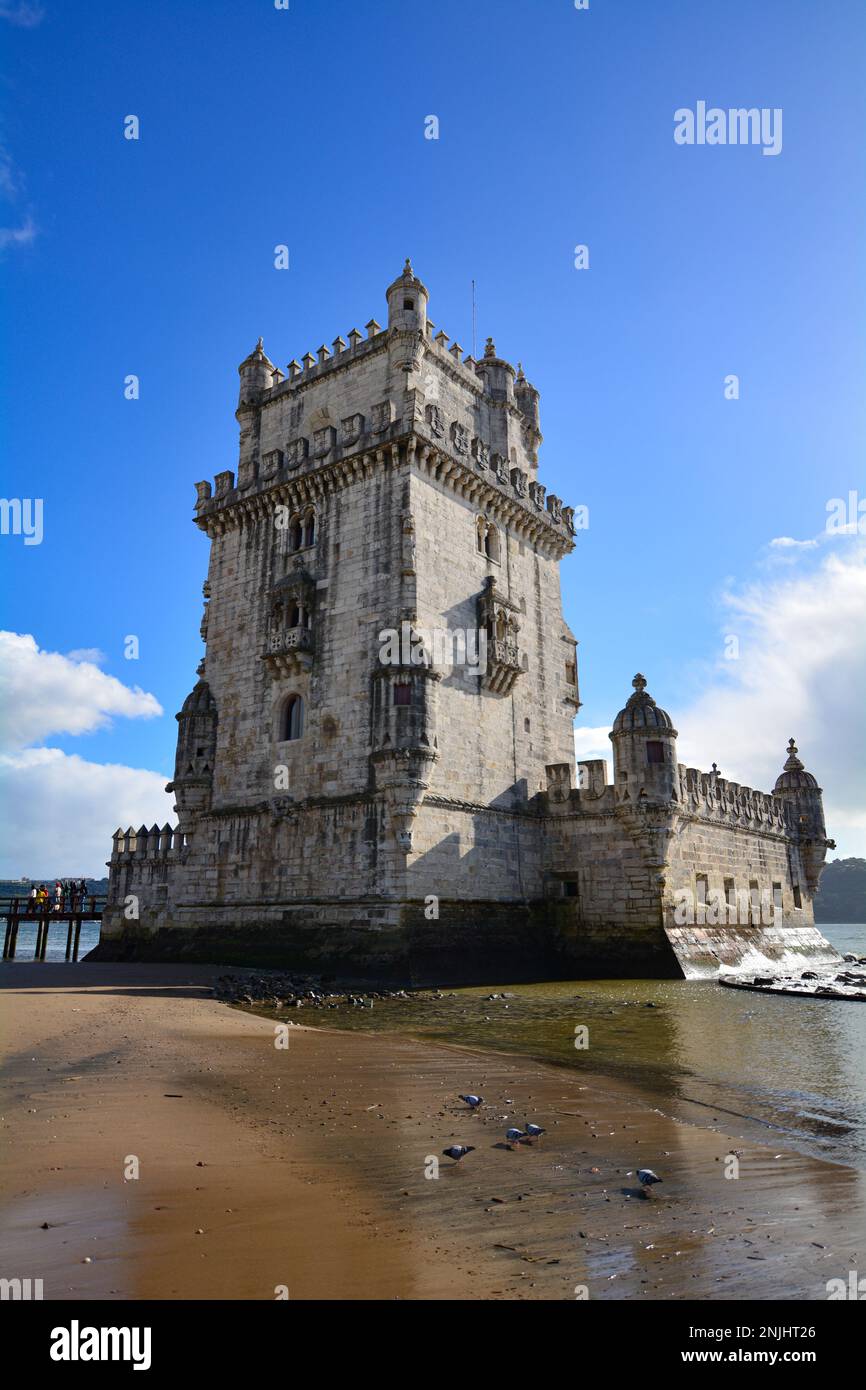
[[18, 236], [24, 14], [800, 673]]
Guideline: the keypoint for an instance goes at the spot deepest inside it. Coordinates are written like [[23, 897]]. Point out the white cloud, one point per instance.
[[801, 674], [92, 654], [592, 742], [788, 543], [58, 811], [44, 693]]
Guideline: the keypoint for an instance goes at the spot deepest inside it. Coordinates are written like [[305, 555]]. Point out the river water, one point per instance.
[[765, 1065]]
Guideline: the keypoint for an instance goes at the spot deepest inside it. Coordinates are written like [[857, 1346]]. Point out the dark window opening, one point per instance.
[[655, 750], [408, 304], [293, 718], [402, 694], [798, 901], [570, 888]]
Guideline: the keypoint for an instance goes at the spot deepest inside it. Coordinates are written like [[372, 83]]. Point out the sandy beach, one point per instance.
[[303, 1168]]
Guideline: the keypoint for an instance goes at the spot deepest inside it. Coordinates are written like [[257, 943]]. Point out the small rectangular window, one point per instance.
[[701, 886], [402, 694], [655, 750], [408, 304], [777, 896], [798, 901], [570, 888]]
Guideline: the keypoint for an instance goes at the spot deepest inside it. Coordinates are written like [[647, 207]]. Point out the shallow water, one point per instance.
[[763, 1064], [56, 949]]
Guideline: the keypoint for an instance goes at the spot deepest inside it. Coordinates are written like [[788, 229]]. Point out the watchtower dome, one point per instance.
[[644, 748], [407, 320]]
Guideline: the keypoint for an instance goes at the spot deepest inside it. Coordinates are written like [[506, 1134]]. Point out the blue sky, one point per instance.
[[306, 127]]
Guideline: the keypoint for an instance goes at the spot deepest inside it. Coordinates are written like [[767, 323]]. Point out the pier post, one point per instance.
[[13, 940], [7, 937], [69, 938], [77, 935]]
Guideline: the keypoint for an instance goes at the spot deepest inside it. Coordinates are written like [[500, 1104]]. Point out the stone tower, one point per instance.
[[375, 770]]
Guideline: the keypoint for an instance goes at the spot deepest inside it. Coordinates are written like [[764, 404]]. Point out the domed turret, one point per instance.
[[198, 701], [644, 749], [800, 790], [526, 398], [795, 777], [407, 320], [794, 784], [256, 373], [196, 751]]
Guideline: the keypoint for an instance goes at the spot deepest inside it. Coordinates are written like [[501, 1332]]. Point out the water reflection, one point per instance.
[[762, 1064]]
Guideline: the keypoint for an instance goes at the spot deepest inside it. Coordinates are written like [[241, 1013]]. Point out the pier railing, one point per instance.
[[73, 909]]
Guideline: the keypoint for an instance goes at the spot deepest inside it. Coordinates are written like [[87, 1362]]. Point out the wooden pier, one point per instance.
[[71, 911]]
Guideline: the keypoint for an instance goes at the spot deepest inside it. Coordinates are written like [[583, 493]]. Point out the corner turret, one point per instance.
[[644, 749], [800, 789], [407, 320], [256, 373], [196, 752]]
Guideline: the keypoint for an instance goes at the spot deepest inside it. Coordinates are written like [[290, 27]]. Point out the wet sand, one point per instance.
[[305, 1167]]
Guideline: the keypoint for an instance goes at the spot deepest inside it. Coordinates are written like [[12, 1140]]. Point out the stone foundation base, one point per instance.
[[471, 943]]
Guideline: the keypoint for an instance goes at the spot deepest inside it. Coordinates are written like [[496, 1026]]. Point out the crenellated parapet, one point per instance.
[[713, 798], [156, 843]]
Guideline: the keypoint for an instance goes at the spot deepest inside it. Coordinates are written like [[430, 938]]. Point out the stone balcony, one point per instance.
[[503, 665], [289, 650]]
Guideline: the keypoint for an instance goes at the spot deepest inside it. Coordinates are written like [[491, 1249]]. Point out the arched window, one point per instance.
[[491, 543], [292, 722], [296, 534], [294, 616], [310, 528]]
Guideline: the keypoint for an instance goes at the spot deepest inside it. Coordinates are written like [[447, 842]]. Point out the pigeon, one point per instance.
[[646, 1177], [534, 1131], [472, 1101], [514, 1136], [458, 1151]]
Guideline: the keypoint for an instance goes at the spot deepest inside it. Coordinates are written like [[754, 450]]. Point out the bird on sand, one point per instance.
[[514, 1136], [534, 1131], [472, 1101], [458, 1151], [646, 1177]]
